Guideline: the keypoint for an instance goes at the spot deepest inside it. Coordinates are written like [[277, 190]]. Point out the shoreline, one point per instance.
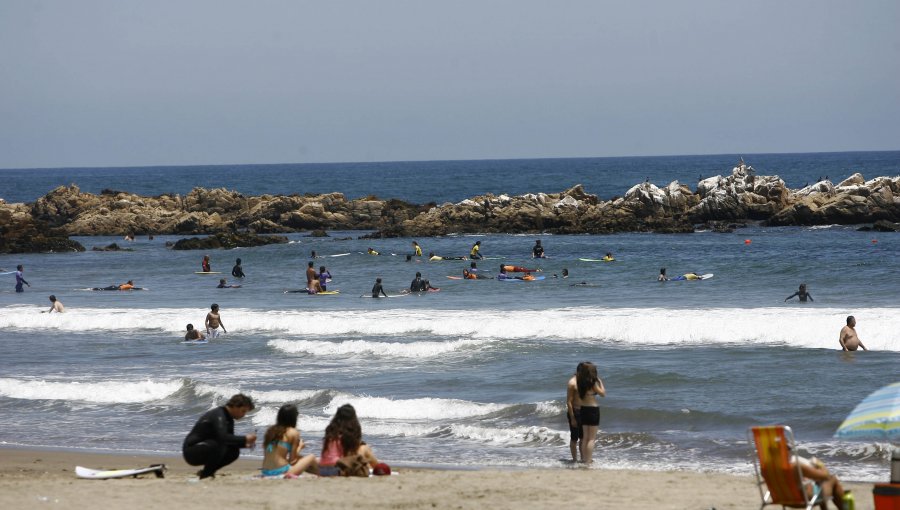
[[36, 478]]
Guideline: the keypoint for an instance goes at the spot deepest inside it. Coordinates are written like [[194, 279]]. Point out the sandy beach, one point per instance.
[[46, 479]]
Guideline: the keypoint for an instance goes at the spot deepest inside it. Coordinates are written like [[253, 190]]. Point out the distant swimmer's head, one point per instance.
[[311, 264], [415, 243], [431, 254], [662, 271], [222, 281], [53, 298], [802, 287], [130, 282], [477, 243], [238, 261], [214, 307], [321, 269], [206, 257], [565, 272], [377, 280], [190, 327], [418, 274], [409, 258], [538, 242], [851, 321]]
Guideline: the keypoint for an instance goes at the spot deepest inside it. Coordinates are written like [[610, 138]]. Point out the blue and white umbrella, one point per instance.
[[876, 417]]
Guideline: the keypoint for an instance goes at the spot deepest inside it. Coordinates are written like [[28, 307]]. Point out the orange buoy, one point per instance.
[[747, 241]]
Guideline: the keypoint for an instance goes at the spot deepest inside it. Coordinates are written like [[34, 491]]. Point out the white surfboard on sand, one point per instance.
[[104, 474]]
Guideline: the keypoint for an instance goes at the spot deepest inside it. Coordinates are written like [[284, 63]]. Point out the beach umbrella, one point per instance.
[[876, 417]]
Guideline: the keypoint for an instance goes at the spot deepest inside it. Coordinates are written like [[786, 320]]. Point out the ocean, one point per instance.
[[474, 375]]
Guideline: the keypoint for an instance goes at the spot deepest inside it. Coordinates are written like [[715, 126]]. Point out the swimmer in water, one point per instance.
[[237, 271], [801, 294], [214, 322], [848, 339], [662, 275], [378, 289], [223, 284]]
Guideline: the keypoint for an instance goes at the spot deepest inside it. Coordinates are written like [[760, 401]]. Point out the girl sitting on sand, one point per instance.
[[343, 437], [283, 444]]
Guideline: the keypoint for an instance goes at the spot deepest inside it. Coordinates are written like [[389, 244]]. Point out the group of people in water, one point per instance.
[[212, 443]]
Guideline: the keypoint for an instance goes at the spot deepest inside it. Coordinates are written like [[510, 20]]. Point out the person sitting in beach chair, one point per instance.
[[791, 480]]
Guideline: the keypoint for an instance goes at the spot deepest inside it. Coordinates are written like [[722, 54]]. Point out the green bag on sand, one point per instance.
[[353, 465]]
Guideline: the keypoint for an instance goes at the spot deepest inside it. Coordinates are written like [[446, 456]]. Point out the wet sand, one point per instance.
[[46, 479]]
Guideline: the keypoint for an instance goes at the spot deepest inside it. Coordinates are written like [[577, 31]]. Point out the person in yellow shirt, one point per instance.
[[417, 248], [473, 254]]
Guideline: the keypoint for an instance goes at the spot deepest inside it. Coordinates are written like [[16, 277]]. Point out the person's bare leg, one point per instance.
[[307, 463], [587, 443]]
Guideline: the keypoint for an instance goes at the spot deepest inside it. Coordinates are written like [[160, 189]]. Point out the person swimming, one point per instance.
[[801, 294], [436, 258], [223, 284], [370, 251], [520, 269], [662, 275], [537, 252]]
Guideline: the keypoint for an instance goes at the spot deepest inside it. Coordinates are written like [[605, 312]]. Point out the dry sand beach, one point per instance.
[[40, 479]]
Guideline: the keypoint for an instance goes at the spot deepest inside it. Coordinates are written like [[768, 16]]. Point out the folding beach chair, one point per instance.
[[774, 471]]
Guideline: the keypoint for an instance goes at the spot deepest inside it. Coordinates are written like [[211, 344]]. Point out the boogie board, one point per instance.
[[536, 278], [195, 342], [681, 278], [103, 474]]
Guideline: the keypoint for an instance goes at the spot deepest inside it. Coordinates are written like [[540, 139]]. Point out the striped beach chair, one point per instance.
[[779, 481]]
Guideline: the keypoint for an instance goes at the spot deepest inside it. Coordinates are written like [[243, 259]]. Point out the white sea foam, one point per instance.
[[105, 392], [435, 409], [364, 347], [811, 327], [259, 397]]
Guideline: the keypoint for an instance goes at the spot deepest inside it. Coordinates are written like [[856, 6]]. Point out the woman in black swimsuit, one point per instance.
[[589, 386]]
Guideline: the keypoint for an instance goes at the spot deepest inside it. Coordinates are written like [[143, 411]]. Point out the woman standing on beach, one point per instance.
[[343, 437], [589, 386], [283, 444]]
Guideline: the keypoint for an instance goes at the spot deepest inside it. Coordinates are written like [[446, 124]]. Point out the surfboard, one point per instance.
[[681, 278], [596, 260], [195, 342], [536, 278], [104, 474], [455, 277], [114, 290], [389, 295], [339, 255], [326, 293], [207, 272]]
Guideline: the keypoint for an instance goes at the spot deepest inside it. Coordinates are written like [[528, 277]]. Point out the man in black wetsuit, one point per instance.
[[212, 442], [419, 285], [237, 271], [538, 251], [378, 289]]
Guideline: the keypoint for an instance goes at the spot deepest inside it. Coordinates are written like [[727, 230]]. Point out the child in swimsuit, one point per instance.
[[283, 444]]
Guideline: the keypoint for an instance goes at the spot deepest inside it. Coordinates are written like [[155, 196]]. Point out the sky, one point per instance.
[[135, 83]]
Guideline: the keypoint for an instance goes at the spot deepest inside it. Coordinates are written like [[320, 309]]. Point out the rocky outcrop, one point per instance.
[[853, 201], [204, 211], [719, 203], [227, 241], [22, 233]]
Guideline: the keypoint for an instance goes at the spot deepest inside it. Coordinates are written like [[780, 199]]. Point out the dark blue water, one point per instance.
[[446, 181]]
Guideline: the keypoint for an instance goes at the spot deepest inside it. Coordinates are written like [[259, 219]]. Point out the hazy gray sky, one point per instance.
[[124, 83]]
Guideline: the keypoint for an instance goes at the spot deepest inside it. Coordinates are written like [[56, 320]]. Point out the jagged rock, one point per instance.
[[20, 232], [110, 247], [739, 197], [886, 226], [227, 241]]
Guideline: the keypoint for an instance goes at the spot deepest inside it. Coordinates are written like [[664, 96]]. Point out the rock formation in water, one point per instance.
[[718, 203]]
